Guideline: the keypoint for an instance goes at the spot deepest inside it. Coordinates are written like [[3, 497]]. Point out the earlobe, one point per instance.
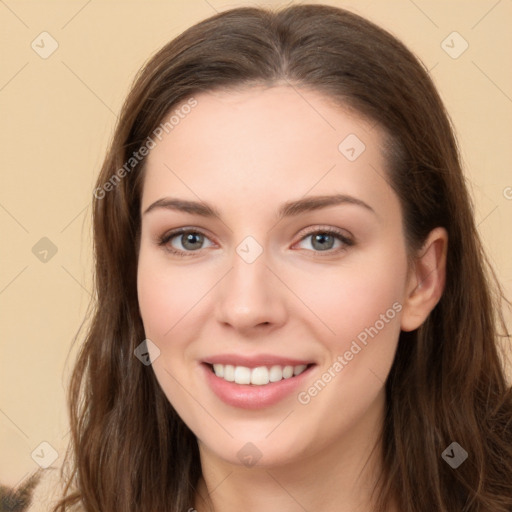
[[426, 281]]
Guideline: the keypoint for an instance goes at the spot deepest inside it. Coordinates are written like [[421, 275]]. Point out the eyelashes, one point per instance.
[[165, 240], [320, 236]]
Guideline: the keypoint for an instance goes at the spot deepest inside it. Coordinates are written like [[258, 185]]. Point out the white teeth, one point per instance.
[[258, 376], [229, 373], [219, 370], [276, 374], [287, 372], [297, 370], [242, 375]]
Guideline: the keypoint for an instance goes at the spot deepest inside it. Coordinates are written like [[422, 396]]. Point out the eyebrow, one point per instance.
[[288, 209]]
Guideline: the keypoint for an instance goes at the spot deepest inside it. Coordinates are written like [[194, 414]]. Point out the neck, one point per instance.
[[339, 477]]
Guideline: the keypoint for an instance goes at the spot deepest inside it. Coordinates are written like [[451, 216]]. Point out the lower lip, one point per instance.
[[249, 396]]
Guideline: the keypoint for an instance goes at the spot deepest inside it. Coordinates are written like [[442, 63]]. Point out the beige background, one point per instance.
[[58, 114]]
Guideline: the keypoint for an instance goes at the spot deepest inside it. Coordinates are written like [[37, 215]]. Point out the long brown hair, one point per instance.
[[129, 449]]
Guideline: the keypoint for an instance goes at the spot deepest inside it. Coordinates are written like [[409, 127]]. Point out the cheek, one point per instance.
[[166, 297], [166, 293], [354, 297], [363, 308]]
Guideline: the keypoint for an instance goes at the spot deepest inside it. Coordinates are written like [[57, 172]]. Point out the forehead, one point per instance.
[[262, 143]]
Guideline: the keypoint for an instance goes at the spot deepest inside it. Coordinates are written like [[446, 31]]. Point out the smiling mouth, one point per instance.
[[258, 376]]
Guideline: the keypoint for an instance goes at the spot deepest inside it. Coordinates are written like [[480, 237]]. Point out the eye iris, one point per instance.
[[321, 238], [192, 238]]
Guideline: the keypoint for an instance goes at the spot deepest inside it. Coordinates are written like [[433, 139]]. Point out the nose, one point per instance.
[[251, 298]]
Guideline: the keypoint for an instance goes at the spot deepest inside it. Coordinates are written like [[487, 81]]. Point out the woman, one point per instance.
[[293, 309]]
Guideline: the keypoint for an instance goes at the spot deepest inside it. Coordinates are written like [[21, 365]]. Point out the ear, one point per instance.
[[426, 280]]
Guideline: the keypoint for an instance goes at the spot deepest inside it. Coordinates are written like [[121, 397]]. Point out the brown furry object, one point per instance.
[[19, 499]]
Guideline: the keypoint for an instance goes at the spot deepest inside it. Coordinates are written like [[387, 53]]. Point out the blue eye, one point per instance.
[[190, 240], [323, 240]]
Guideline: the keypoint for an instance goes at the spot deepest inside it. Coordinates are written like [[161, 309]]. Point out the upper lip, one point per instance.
[[255, 360]]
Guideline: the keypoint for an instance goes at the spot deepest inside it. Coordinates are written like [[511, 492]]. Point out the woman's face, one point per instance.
[[295, 284]]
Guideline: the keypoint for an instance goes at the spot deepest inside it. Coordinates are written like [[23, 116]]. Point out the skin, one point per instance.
[[247, 152]]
